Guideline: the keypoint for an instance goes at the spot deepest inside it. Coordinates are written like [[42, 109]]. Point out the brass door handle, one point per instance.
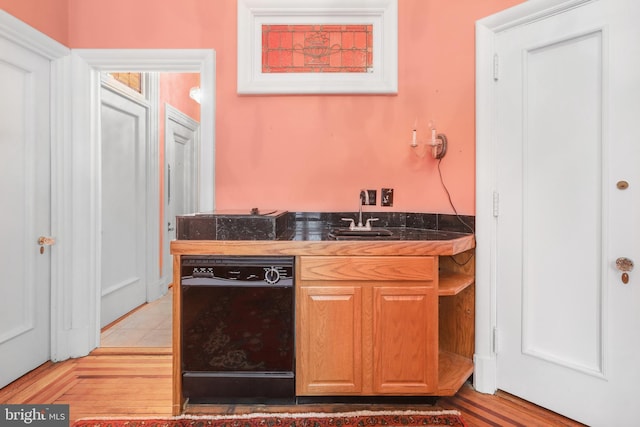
[[45, 241], [625, 265]]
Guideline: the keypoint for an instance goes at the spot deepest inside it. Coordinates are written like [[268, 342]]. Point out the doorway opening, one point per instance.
[[165, 119], [93, 63]]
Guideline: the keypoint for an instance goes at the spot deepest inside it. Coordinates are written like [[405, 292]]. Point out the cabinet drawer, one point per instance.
[[367, 268]]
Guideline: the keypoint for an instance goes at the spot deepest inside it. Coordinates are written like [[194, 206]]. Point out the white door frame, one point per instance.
[[86, 66], [487, 30]]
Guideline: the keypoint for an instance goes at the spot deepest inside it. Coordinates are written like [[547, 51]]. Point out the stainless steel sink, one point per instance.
[[373, 234]]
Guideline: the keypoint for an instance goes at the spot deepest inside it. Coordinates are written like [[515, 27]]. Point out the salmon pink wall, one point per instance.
[[309, 152], [174, 90], [50, 17]]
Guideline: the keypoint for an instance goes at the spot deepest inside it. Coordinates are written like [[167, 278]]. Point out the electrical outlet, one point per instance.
[[372, 197], [386, 197]]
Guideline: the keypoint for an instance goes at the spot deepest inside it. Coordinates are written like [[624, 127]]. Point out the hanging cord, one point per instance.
[[451, 201], [457, 216]]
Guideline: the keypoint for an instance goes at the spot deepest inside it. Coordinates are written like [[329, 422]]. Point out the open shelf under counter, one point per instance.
[[453, 371], [452, 283]]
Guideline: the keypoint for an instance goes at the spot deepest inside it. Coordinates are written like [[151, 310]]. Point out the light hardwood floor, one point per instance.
[[130, 376]]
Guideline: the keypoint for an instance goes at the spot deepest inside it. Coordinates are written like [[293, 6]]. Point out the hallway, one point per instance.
[[147, 326]]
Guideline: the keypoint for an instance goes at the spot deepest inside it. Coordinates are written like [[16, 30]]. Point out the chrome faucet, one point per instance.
[[364, 200]]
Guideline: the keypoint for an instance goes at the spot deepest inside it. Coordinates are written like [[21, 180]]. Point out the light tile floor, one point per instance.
[[148, 326]]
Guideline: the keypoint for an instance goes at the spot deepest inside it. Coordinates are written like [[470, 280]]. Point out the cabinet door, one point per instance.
[[329, 342], [405, 347]]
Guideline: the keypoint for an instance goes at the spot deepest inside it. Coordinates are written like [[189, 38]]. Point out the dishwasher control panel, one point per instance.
[[237, 271]]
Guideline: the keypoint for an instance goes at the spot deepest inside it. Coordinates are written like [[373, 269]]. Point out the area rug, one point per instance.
[[341, 419]]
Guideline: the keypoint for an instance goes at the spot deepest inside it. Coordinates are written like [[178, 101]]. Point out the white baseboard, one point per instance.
[[484, 374]]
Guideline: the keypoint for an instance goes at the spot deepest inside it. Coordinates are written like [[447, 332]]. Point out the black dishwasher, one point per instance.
[[237, 332]]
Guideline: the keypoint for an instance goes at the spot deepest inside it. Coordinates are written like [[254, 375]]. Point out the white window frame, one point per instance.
[[382, 14]]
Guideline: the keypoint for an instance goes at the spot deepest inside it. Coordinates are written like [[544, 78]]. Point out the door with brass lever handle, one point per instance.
[[45, 241], [625, 265]]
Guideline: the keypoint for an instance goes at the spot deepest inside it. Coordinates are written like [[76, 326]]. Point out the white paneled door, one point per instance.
[[182, 144], [123, 205], [568, 179], [25, 194]]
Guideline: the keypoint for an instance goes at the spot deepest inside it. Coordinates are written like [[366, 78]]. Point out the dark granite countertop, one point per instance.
[[278, 225], [311, 226]]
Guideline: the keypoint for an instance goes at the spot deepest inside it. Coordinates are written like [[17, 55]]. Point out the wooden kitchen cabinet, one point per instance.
[[405, 343], [364, 322], [329, 339], [367, 325]]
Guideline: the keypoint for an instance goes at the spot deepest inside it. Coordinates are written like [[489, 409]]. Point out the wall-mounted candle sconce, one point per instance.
[[438, 143]]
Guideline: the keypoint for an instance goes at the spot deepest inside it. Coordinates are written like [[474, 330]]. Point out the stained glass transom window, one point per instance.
[[133, 80], [317, 48]]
